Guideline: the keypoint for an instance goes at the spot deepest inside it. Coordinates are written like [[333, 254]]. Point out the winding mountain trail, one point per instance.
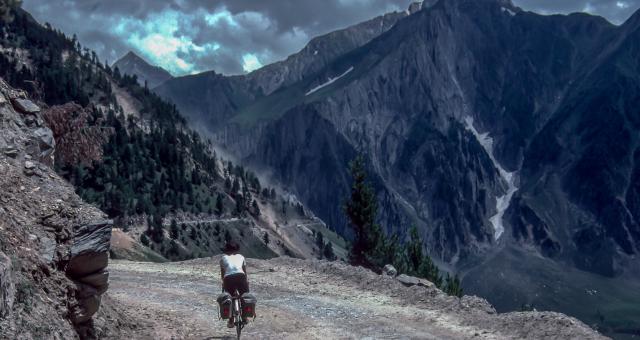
[[315, 300]]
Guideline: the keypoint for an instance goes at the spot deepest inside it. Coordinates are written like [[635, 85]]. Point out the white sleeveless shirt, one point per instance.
[[232, 264]]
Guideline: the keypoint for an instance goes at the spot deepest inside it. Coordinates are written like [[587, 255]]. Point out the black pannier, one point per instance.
[[224, 303], [248, 305]]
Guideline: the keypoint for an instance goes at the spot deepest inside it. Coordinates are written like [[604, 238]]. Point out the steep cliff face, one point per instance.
[[587, 154], [53, 247]]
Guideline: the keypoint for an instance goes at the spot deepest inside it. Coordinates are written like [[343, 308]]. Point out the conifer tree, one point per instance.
[[361, 209], [328, 252], [174, 229], [219, 205], [256, 208], [452, 286]]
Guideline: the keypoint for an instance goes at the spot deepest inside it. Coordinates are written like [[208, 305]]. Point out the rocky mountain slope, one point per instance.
[[53, 246], [134, 65], [318, 300], [504, 135]]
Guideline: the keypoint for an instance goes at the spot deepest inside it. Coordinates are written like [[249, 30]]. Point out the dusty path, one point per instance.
[[318, 301]]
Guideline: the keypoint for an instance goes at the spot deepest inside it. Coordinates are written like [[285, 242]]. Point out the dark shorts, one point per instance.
[[235, 282]]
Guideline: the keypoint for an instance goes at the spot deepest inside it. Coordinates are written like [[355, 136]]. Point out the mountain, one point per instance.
[[219, 97], [95, 167], [507, 137], [134, 65]]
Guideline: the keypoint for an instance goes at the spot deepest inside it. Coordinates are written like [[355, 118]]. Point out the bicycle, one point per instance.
[[236, 313]]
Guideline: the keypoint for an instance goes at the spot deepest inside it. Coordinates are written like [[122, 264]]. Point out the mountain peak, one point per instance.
[[131, 55], [133, 64]]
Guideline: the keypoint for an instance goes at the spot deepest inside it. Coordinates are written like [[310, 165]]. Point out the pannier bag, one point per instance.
[[248, 305], [224, 302]]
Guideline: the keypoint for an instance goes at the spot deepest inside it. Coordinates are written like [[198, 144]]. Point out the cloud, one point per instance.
[[616, 11], [236, 36], [188, 36]]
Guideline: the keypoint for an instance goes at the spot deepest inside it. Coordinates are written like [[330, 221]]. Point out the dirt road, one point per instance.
[[315, 300]]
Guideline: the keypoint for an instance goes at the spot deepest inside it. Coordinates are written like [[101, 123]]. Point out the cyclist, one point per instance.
[[233, 272]]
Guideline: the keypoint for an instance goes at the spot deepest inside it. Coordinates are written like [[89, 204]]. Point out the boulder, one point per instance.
[[389, 270], [87, 267], [90, 249], [25, 106], [11, 152], [7, 286], [99, 280], [46, 144], [414, 281], [85, 309], [29, 168]]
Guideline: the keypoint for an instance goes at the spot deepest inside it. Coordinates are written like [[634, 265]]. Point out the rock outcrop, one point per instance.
[[53, 246], [411, 281], [87, 267]]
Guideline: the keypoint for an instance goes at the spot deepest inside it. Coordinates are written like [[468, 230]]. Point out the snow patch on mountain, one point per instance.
[[502, 202], [329, 82], [509, 11]]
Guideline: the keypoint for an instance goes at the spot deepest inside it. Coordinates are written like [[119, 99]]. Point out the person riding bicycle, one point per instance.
[[233, 272]]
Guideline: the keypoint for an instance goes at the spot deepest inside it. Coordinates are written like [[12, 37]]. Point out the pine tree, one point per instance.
[[144, 240], [240, 205], [256, 208], [227, 183], [320, 241], [265, 238], [235, 187], [361, 210], [174, 229], [452, 286], [328, 252], [219, 205]]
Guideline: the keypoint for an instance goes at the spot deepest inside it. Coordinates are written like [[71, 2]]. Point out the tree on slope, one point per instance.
[[361, 209]]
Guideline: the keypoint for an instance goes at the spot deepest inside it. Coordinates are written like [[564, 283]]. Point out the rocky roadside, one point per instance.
[[53, 246]]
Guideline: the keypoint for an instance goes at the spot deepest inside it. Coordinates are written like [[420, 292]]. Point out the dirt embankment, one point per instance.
[[316, 300]]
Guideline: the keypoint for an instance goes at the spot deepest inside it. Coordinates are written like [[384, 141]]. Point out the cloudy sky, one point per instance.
[[237, 36]]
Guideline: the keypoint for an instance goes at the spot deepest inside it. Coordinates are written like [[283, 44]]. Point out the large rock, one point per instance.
[[45, 143], [90, 249], [390, 270], [87, 268], [414, 281], [25, 106], [7, 286]]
